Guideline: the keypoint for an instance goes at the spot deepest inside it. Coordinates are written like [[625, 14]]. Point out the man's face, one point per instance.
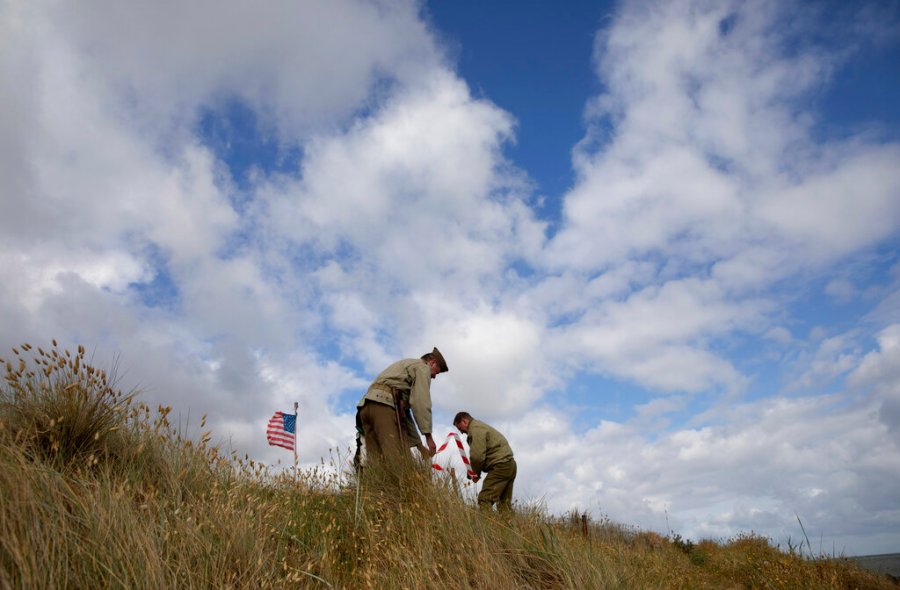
[[463, 426], [435, 369]]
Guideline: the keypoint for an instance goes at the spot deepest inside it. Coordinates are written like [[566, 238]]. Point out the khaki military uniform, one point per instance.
[[407, 382], [490, 452]]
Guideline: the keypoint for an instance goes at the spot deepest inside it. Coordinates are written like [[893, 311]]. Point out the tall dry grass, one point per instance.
[[99, 491]]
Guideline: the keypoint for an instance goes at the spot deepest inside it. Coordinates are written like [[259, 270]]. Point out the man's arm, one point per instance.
[[412, 434], [420, 402], [414, 440], [477, 448]]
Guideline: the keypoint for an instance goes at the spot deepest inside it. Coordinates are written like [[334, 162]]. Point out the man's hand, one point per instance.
[[423, 450], [431, 446], [475, 478]]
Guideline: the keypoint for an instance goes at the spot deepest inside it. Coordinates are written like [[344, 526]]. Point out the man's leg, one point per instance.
[[384, 443], [505, 501], [488, 494], [495, 484], [373, 445]]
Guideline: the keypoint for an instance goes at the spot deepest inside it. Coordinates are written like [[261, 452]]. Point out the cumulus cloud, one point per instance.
[[281, 61], [423, 176], [879, 373], [699, 163], [700, 170], [123, 226], [768, 462]]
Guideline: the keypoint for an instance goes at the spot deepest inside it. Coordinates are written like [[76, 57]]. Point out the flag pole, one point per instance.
[[296, 429]]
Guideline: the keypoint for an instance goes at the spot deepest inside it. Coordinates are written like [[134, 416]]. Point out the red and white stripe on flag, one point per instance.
[[462, 453], [281, 431]]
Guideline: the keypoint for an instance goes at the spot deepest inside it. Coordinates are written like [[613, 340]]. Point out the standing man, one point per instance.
[[490, 452], [384, 411]]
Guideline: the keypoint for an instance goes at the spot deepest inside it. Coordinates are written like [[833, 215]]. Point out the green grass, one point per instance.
[[99, 491]]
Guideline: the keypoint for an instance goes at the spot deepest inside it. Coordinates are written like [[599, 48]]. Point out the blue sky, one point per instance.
[[657, 242], [534, 57]]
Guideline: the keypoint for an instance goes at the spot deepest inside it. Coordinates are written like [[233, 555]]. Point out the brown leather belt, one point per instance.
[[396, 394]]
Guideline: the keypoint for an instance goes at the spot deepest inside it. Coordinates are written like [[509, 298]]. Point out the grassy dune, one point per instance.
[[99, 491]]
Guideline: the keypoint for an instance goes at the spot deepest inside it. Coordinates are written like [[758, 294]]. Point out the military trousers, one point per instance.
[[498, 486], [385, 441]]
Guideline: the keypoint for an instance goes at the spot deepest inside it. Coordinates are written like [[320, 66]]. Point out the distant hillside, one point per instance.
[[99, 491]]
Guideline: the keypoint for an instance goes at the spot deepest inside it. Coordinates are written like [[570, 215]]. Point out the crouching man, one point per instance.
[[489, 452]]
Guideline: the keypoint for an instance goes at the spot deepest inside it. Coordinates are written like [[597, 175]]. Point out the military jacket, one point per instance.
[[412, 378], [487, 447]]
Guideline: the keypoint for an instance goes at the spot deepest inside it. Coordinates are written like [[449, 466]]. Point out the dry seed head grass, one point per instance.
[[59, 407]]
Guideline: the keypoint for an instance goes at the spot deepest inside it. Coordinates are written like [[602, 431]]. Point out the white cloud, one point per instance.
[[699, 164], [656, 335], [497, 361], [422, 176], [826, 359], [879, 371], [882, 365], [300, 66], [675, 175], [771, 460]]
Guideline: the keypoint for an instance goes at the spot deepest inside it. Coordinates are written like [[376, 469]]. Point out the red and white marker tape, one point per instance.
[[462, 453]]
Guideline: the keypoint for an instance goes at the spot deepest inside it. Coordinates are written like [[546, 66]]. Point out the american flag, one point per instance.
[[281, 430]]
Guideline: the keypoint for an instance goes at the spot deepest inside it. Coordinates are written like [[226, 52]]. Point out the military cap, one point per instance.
[[442, 364]]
